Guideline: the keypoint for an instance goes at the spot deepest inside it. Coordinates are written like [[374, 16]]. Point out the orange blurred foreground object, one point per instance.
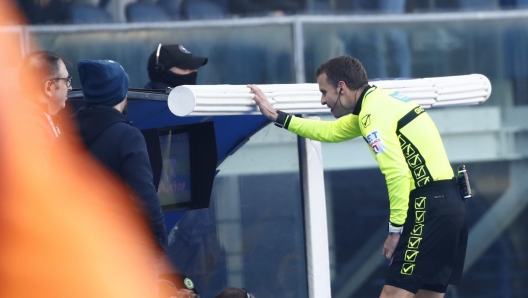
[[67, 227]]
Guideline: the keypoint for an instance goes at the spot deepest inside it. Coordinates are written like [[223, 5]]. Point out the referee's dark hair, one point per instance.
[[344, 68]]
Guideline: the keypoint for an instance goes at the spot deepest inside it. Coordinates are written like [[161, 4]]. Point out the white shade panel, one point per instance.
[[196, 100]]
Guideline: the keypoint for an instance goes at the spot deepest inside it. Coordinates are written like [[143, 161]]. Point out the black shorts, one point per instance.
[[432, 248]]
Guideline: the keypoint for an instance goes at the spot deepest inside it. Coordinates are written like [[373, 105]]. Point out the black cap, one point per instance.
[[175, 55]]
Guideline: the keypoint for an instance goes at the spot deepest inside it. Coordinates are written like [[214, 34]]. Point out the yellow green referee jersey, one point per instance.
[[401, 136]]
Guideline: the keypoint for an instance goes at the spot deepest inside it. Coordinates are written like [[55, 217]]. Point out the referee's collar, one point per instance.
[[359, 103]]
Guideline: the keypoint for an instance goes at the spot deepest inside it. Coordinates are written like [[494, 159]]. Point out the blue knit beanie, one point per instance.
[[104, 82]]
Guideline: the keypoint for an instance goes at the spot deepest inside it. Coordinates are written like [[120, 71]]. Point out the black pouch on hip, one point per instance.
[[463, 182]]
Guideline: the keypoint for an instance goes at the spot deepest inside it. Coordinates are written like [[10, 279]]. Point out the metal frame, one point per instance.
[[315, 221]]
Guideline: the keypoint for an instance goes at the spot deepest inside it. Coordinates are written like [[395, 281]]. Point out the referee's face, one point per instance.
[[330, 96]]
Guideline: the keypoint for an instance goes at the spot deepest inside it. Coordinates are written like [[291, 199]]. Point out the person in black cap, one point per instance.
[[171, 66], [110, 137]]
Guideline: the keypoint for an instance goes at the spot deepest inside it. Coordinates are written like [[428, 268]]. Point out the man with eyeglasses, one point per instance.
[[45, 83]]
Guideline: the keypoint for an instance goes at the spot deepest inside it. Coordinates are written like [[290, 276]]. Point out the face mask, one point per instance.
[[175, 80]]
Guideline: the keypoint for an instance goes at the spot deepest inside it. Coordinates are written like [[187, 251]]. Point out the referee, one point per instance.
[[427, 228]]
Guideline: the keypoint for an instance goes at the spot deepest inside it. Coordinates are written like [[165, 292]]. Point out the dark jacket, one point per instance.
[[112, 139]]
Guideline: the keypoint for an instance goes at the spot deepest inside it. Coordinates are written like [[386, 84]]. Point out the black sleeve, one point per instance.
[[137, 173]]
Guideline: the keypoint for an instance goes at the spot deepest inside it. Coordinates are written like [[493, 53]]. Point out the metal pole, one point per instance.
[[298, 50], [315, 221]]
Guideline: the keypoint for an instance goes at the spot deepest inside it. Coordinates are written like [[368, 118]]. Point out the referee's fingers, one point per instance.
[[385, 252]]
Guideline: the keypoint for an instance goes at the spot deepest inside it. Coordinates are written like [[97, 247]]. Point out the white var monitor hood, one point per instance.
[[204, 100]]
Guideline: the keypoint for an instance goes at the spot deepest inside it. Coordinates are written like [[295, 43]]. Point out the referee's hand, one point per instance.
[[263, 103], [390, 244]]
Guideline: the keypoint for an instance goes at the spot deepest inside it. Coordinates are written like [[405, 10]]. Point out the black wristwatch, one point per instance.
[[281, 119]]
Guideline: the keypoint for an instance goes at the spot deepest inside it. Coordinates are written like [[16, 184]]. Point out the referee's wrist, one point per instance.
[[283, 119], [395, 229]]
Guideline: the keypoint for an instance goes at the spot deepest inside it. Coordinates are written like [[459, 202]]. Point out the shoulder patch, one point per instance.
[[365, 120], [400, 96], [376, 142]]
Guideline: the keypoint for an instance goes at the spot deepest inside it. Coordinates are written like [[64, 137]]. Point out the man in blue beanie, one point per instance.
[[111, 138]]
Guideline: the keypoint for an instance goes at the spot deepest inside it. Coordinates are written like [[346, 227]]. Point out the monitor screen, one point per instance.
[[183, 160], [175, 180]]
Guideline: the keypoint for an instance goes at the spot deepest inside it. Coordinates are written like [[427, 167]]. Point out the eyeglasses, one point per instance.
[[68, 80]]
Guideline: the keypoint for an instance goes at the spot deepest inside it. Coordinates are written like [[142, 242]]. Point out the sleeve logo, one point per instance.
[[375, 141], [400, 96], [365, 120]]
